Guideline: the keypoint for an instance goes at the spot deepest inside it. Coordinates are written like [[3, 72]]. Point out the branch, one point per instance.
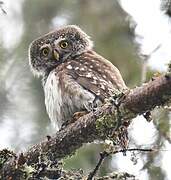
[[105, 154], [138, 101], [97, 124], [166, 7], [2, 9]]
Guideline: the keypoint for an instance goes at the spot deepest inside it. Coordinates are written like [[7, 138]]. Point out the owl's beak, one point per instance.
[[56, 55]]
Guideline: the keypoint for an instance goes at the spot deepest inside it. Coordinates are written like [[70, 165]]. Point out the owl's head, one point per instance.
[[54, 48]]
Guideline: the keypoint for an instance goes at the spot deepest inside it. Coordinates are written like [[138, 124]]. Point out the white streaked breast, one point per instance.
[[53, 99]]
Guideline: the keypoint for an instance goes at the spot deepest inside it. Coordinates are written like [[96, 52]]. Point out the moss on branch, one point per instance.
[[94, 125]]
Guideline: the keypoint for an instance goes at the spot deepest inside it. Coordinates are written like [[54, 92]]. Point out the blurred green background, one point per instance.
[[23, 118]]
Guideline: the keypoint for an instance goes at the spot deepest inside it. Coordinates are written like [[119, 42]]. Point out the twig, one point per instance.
[[133, 149], [2, 9], [105, 154], [145, 58]]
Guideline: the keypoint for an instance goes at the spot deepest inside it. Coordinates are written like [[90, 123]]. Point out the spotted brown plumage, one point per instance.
[[95, 74], [75, 78]]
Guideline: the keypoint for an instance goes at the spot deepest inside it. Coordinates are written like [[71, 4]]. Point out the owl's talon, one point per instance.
[[74, 118], [77, 115]]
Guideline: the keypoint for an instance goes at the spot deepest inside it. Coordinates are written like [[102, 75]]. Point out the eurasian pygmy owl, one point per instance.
[[74, 77]]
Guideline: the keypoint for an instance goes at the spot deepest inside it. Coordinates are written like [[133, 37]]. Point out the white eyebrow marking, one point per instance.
[[69, 67], [45, 45]]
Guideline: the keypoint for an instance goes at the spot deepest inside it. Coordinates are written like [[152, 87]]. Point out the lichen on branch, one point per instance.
[[91, 126]]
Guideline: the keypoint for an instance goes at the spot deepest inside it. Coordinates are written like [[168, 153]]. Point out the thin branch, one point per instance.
[[145, 58], [105, 154], [1, 7], [133, 149]]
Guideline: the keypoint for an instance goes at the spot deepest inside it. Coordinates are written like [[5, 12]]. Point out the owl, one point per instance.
[[75, 78]]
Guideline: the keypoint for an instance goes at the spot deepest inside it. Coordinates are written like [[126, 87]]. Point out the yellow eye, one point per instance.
[[45, 51], [63, 44]]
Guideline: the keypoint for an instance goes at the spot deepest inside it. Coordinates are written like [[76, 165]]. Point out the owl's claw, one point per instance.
[[79, 114], [74, 118]]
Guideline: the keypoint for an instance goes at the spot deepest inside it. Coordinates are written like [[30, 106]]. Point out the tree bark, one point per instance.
[[95, 125]]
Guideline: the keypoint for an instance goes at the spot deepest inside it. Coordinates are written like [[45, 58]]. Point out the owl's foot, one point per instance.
[[74, 118], [77, 115]]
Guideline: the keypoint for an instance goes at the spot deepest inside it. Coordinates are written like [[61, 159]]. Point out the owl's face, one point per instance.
[[54, 48]]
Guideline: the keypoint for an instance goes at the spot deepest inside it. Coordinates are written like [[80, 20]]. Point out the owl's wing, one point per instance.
[[92, 81], [94, 87]]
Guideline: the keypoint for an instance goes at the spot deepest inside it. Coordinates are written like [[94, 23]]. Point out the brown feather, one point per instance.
[[95, 74]]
